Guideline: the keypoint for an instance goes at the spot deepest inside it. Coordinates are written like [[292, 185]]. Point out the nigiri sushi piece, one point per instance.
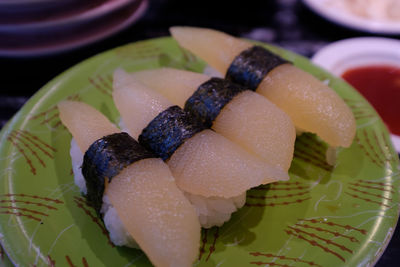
[[203, 162], [132, 190], [312, 105], [242, 116]]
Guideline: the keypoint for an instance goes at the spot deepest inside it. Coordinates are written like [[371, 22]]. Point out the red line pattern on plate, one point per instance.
[[71, 264], [84, 262], [98, 83], [33, 196], [368, 150], [362, 114], [48, 116], [347, 227], [27, 159], [269, 255], [27, 202], [50, 262], [51, 118], [369, 194], [27, 212], [212, 247], [208, 235], [286, 203], [375, 183], [36, 142], [289, 183], [33, 152], [367, 200], [80, 204], [268, 263], [386, 155], [316, 244], [140, 51], [327, 241], [24, 209], [44, 113], [372, 148], [311, 159], [359, 184], [27, 140], [310, 150], [315, 147], [203, 244], [278, 196], [69, 261], [334, 233], [386, 145], [277, 187], [19, 214], [51, 115], [359, 109]]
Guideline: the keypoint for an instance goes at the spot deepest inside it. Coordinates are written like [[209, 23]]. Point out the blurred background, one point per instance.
[[37, 44]]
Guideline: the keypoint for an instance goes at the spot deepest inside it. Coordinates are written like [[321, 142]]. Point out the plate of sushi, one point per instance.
[[197, 149]]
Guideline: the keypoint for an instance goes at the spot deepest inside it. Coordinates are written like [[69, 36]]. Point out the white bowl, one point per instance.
[[347, 19]]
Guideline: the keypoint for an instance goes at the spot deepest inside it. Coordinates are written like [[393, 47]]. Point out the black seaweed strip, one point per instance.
[[168, 130], [251, 66], [104, 159], [210, 98]]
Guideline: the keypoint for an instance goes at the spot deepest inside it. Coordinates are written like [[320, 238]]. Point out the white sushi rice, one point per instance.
[[215, 211], [117, 232], [77, 160]]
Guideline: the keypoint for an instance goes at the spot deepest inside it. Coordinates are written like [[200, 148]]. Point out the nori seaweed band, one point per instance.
[[209, 99], [168, 130], [251, 66], [105, 159]]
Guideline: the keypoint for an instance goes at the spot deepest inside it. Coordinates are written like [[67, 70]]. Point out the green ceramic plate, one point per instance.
[[324, 216]]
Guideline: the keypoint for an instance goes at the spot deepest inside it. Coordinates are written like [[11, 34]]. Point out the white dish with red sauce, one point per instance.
[[372, 66]]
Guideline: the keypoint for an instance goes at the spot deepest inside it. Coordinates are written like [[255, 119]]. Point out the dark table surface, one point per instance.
[[287, 23]]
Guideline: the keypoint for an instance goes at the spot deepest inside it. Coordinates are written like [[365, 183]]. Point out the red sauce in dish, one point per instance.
[[380, 85]]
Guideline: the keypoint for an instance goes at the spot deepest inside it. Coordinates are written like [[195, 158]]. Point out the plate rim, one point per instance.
[[46, 89]]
